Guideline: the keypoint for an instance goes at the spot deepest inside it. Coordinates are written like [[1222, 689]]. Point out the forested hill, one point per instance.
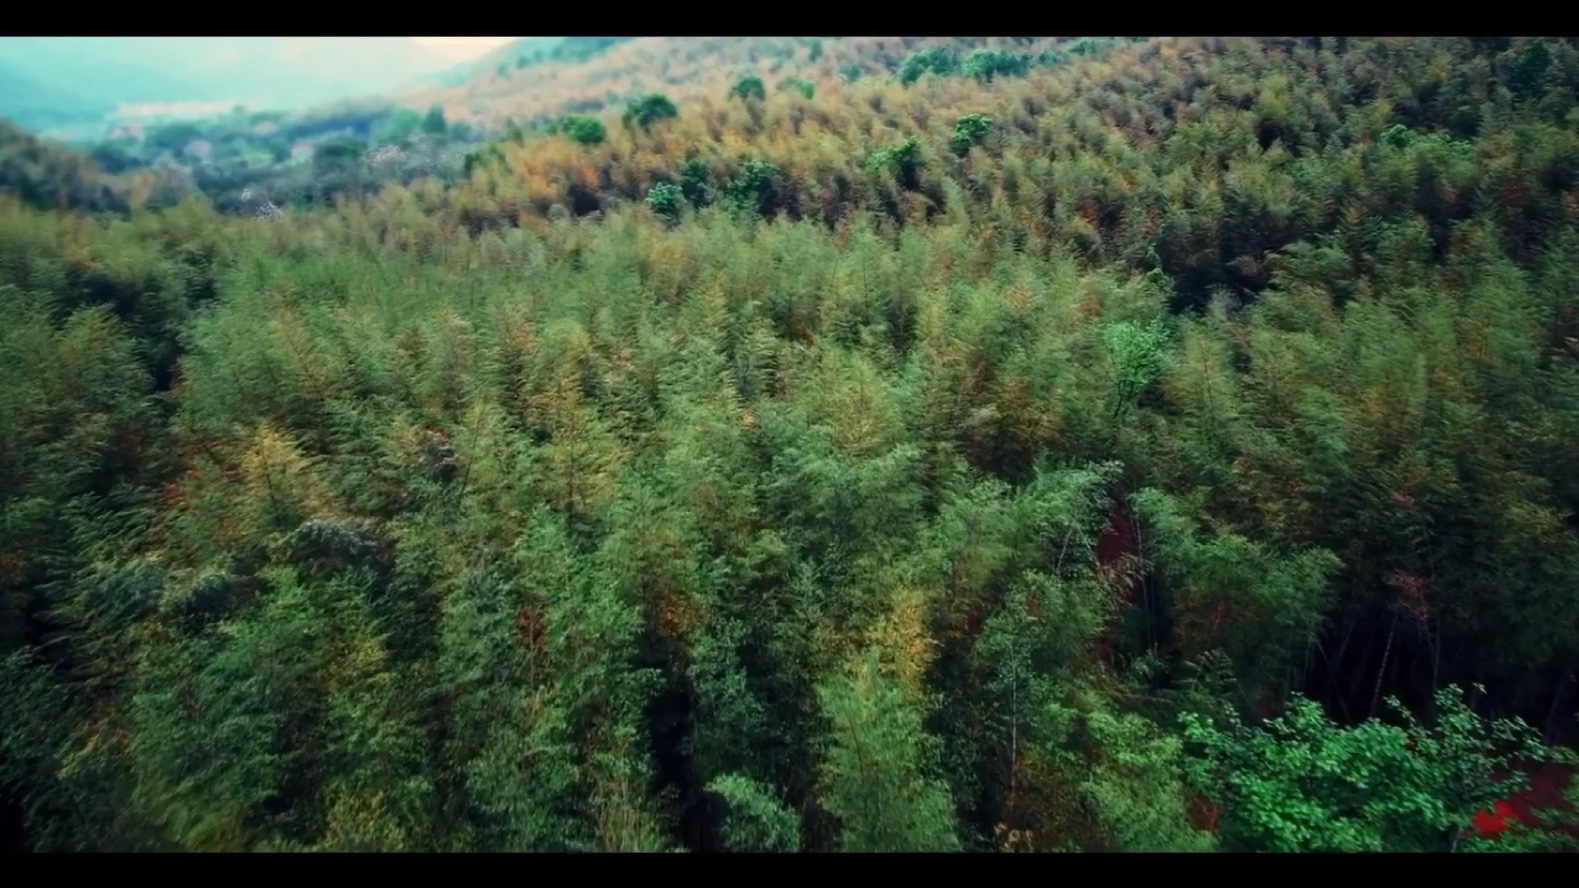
[[43, 174], [537, 77], [1164, 444]]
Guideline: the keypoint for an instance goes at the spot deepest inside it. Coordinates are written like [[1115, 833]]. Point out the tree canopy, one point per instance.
[[1100, 445]]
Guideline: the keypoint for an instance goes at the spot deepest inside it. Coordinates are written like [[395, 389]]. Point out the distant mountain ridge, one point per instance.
[[85, 76], [40, 106], [508, 54]]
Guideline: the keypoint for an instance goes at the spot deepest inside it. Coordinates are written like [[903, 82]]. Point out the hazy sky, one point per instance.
[[461, 48]]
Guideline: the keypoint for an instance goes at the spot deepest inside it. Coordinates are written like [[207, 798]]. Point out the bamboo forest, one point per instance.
[[805, 445]]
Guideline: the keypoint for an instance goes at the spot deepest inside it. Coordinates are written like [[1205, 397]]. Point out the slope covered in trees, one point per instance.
[[544, 78], [1123, 445], [43, 174]]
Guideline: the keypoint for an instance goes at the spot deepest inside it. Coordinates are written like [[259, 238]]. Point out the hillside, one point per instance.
[[45, 175], [266, 154], [105, 70], [529, 81], [516, 53], [996, 445]]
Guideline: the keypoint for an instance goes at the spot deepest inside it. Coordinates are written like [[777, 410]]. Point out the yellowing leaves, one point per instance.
[[361, 822], [361, 665], [678, 615], [902, 638], [317, 377], [279, 483], [850, 397], [582, 455]]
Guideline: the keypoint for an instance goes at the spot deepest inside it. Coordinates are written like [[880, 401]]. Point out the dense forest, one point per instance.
[[1149, 444]]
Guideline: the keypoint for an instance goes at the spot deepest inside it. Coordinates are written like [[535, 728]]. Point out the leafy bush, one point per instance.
[[903, 160], [648, 110], [938, 61], [696, 182], [664, 199], [985, 64], [583, 129], [1302, 784], [796, 84], [756, 190], [968, 131], [749, 88]]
